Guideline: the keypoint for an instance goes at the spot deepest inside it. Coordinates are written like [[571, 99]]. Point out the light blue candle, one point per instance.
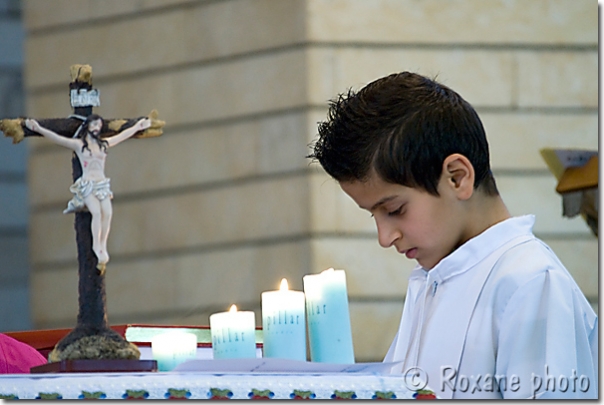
[[172, 348], [233, 334], [329, 331], [284, 324]]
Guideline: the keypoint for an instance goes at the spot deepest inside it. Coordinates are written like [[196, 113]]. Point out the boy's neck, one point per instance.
[[485, 212]]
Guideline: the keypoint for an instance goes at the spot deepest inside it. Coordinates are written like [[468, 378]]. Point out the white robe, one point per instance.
[[500, 311]]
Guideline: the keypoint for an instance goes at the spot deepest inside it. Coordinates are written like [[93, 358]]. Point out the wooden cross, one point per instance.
[[92, 338]]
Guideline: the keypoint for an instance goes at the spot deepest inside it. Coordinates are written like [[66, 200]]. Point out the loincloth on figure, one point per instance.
[[82, 189]]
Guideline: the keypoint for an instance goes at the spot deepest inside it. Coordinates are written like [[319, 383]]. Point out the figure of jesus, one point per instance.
[[91, 191]]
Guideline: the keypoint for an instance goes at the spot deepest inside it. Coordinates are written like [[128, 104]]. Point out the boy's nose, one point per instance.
[[387, 235]]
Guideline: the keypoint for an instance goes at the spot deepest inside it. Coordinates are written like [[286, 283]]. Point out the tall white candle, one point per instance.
[[329, 330], [284, 323], [233, 334]]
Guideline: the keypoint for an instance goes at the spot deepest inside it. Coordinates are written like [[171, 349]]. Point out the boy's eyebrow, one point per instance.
[[382, 201]]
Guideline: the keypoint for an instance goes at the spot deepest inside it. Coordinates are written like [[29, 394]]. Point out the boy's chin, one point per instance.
[[421, 263], [426, 265]]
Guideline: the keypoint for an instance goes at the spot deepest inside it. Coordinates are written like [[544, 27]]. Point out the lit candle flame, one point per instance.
[[284, 286], [233, 308]]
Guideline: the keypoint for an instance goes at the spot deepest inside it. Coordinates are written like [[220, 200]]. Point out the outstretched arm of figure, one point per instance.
[[140, 125], [53, 136]]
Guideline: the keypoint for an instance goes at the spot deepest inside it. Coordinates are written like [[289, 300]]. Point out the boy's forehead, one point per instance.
[[371, 193]]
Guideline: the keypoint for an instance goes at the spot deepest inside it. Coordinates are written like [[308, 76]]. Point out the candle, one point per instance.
[[172, 348], [329, 331], [233, 334], [284, 323]]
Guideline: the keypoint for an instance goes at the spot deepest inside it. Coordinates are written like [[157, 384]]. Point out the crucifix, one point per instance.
[[89, 136]]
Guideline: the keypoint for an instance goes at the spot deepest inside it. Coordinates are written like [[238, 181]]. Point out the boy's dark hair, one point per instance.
[[403, 125]]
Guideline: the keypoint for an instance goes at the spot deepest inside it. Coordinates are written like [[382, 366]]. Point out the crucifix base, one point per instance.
[[96, 366], [82, 343]]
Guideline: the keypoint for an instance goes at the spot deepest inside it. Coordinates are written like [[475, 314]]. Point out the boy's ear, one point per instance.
[[458, 172]]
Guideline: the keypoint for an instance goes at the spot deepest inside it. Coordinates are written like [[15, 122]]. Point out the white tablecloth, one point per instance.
[[207, 385]]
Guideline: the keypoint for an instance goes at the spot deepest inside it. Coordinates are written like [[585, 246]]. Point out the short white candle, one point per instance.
[[172, 348], [329, 330], [284, 323], [233, 334]]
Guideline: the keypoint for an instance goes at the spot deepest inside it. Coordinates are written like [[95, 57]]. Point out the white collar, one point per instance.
[[477, 249]]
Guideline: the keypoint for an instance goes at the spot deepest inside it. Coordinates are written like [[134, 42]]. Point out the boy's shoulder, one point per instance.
[[530, 272], [528, 261]]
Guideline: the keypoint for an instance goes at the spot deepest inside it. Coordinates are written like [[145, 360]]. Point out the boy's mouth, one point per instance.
[[410, 253]]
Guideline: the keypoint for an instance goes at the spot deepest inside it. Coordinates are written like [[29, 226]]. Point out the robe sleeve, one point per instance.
[[390, 354], [548, 340]]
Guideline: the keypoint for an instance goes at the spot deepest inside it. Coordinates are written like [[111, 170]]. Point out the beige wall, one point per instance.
[[224, 204]]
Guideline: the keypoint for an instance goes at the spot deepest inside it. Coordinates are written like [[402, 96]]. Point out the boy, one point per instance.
[[490, 311]]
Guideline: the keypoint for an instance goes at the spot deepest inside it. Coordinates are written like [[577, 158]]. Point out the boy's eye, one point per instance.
[[397, 211]]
